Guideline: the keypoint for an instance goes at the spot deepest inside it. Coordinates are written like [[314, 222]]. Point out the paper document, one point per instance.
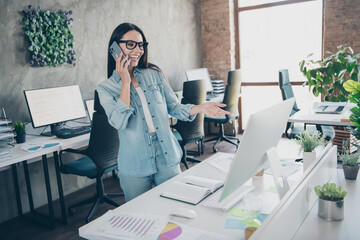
[[221, 161], [125, 225], [32, 147]]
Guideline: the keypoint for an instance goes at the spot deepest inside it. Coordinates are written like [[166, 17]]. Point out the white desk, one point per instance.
[[316, 228], [308, 116], [20, 156], [208, 219]]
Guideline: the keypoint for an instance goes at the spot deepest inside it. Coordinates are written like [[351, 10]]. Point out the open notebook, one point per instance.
[[192, 189], [329, 107]]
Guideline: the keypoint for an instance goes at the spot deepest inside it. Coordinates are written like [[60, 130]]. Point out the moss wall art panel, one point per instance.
[[50, 38]]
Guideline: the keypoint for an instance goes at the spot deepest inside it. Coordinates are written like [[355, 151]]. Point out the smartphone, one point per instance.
[[115, 49]]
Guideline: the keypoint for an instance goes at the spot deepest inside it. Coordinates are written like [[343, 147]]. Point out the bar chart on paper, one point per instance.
[[130, 225]]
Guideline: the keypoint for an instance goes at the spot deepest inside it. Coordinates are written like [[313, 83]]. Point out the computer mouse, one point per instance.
[[184, 212]]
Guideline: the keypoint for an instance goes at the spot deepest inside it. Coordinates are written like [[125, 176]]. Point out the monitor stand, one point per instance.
[[281, 186], [54, 129]]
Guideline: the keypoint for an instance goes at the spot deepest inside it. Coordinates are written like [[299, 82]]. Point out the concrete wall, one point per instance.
[[172, 28]]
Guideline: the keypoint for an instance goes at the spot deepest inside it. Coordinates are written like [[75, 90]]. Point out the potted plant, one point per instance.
[[327, 76], [331, 202], [349, 161], [308, 143], [19, 128]]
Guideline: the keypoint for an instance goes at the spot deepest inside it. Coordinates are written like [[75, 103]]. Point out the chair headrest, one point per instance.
[[194, 89], [97, 106]]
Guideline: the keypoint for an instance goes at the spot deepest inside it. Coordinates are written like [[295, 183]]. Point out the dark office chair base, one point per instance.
[[185, 159], [224, 138], [99, 198]]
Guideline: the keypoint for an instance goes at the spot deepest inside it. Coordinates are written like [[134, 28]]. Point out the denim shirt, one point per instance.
[[136, 156]]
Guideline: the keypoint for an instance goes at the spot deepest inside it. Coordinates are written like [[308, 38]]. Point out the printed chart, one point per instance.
[[130, 225], [170, 232]]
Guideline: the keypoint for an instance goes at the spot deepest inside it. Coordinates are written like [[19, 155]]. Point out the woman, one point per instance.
[[137, 100]]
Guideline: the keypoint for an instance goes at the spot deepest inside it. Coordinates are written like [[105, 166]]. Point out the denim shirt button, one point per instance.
[[165, 152], [144, 119], [153, 115], [161, 140], [157, 127], [149, 103], [144, 90]]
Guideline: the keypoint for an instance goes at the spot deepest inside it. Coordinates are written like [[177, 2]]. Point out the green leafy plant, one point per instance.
[[51, 41], [327, 76], [353, 87], [19, 127], [308, 142], [348, 158], [330, 192]]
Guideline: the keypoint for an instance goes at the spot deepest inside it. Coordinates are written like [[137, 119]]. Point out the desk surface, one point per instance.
[[207, 219], [308, 116], [16, 154], [316, 228]]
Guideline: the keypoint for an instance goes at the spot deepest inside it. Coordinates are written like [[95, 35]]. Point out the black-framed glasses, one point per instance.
[[132, 44]]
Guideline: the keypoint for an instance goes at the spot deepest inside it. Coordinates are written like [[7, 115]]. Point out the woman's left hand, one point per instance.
[[210, 109]]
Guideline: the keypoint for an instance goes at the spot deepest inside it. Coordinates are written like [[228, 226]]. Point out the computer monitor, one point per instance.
[[263, 131], [52, 106], [200, 74], [90, 108]]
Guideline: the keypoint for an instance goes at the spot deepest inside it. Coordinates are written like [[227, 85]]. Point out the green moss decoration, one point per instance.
[[51, 41]]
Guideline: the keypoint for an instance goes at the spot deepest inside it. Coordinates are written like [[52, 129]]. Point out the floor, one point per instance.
[[24, 228]]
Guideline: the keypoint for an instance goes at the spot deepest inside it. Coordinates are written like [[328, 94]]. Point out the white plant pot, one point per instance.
[[308, 159]]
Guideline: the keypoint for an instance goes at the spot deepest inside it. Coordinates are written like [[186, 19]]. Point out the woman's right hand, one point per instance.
[[121, 67]]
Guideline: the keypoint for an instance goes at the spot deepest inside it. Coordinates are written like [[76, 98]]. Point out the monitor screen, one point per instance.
[[200, 74], [90, 107], [49, 106], [263, 131]]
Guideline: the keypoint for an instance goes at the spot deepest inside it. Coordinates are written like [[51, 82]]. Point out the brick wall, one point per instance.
[[217, 28], [341, 24]]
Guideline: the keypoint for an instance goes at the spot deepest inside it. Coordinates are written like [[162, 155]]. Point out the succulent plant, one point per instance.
[[19, 127], [308, 142], [348, 158], [329, 191], [51, 40]]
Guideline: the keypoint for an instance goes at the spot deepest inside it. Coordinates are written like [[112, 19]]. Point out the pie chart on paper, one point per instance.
[[171, 231]]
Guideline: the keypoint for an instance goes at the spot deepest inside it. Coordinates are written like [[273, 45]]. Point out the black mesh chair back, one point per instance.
[[104, 141], [232, 91], [293, 131], [286, 88], [194, 92]]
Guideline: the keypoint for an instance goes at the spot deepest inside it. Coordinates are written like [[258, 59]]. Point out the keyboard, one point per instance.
[[230, 201], [73, 132]]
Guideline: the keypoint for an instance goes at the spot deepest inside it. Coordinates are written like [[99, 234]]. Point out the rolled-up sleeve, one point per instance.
[[117, 111], [176, 109]]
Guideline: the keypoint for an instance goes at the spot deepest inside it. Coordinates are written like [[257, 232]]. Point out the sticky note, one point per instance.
[[272, 189], [234, 224], [238, 212]]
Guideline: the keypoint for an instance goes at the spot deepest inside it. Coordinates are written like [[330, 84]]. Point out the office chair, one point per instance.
[[231, 99], [100, 158], [194, 92], [293, 131]]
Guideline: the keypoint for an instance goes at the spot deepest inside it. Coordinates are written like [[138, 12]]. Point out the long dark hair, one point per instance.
[[116, 36]]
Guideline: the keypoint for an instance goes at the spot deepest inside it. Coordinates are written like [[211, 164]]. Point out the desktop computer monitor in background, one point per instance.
[[200, 74], [263, 131], [52, 106]]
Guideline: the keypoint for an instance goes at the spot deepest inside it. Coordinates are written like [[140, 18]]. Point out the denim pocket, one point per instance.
[[156, 93]]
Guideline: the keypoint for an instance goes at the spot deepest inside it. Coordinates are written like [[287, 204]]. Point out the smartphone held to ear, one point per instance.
[[115, 49]]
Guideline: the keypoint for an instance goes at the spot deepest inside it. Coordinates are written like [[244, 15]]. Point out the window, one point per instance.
[[274, 35]]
